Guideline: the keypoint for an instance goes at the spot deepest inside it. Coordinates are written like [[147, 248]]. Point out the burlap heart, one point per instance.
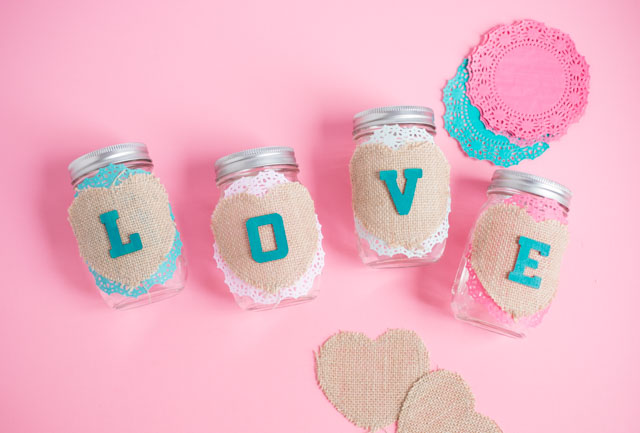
[[293, 202], [494, 250], [441, 402], [366, 380], [372, 203], [143, 206]]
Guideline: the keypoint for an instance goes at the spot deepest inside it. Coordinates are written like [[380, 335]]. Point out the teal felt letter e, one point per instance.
[[109, 219], [402, 201], [255, 244], [524, 261]]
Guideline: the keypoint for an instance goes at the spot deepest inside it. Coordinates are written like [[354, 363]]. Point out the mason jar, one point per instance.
[[125, 227], [267, 237], [400, 187], [508, 275]]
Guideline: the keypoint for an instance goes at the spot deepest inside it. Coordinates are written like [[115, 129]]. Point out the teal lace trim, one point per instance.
[[113, 175], [462, 121]]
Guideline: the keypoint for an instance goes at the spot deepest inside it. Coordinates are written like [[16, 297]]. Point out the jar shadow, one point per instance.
[[434, 282], [332, 151], [194, 206]]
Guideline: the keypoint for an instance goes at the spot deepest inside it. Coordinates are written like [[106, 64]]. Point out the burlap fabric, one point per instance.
[[293, 202], [494, 250], [441, 402], [366, 380], [371, 200], [143, 206]]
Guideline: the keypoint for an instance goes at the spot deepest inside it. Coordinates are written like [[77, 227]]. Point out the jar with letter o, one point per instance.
[[268, 241]]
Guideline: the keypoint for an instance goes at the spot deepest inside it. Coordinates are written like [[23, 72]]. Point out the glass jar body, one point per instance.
[[471, 301], [373, 250], [151, 292], [258, 181]]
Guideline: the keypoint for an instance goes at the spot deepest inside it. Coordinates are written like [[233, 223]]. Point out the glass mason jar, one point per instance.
[[125, 227], [508, 275], [268, 241], [400, 187]]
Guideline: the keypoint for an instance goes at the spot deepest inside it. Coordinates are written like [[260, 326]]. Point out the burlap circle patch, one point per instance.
[[494, 250], [367, 380], [372, 203], [440, 402], [293, 202], [143, 207]]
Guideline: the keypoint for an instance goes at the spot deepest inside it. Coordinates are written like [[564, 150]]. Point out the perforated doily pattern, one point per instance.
[[503, 117], [259, 185], [112, 175], [540, 209], [163, 274], [395, 137], [462, 122], [383, 249]]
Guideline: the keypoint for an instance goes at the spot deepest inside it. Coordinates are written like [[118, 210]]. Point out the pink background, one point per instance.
[[196, 80]]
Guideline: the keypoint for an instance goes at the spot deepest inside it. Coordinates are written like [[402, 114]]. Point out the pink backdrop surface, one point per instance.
[[197, 80]]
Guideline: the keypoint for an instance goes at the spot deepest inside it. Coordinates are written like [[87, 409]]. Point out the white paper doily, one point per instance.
[[383, 249]]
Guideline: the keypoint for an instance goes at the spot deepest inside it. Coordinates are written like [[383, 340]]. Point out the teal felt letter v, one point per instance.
[[402, 201], [109, 219]]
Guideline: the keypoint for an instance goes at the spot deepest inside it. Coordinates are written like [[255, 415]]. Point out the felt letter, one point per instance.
[[524, 261], [255, 244], [109, 219], [402, 201]]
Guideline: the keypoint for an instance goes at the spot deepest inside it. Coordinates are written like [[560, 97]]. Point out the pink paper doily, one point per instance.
[[528, 81]]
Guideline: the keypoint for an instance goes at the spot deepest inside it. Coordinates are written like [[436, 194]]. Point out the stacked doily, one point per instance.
[[518, 90]]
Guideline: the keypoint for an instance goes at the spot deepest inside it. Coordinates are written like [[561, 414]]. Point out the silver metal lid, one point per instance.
[[511, 179], [252, 158], [394, 114], [107, 155]]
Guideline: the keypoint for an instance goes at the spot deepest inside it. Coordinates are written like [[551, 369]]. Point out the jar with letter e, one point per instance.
[[509, 271]]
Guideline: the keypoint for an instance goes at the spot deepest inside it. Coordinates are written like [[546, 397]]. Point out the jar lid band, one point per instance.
[[512, 179], [392, 115], [253, 158], [115, 154]]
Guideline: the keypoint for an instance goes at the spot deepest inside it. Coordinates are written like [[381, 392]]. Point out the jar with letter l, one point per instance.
[[125, 227]]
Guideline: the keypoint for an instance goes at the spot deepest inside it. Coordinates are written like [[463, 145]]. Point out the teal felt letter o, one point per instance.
[[255, 244], [110, 221]]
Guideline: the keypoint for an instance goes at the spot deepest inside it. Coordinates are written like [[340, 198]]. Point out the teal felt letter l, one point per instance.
[[109, 219], [402, 201]]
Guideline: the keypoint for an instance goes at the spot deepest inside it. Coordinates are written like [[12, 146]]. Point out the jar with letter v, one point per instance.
[[400, 187]]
